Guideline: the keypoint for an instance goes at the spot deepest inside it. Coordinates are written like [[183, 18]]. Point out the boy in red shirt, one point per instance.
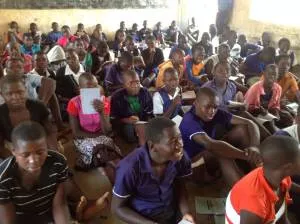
[[262, 196]]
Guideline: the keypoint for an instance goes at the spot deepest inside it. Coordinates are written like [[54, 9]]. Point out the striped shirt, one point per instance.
[[30, 204]]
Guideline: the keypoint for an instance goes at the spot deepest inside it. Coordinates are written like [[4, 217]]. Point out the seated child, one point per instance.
[[119, 42], [29, 47], [287, 81], [284, 46], [159, 34], [264, 96], [167, 101], [54, 35], [90, 130], [149, 186], [172, 34], [226, 89], [247, 48], [130, 105], [195, 66], [144, 30], [153, 57], [176, 61], [235, 48], [99, 57], [183, 45], [32, 180], [114, 76], [203, 127], [262, 196], [66, 38], [206, 44]]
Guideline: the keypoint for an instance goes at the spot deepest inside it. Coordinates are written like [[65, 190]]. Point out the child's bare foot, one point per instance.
[[96, 207], [80, 208]]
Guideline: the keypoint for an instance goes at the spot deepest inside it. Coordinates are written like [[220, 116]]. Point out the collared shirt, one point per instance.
[[68, 71], [53, 37], [253, 194], [114, 75], [235, 51], [147, 193], [254, 64], [192, 125], [224, 96], [194, 72], [37, 201], [32, 81], [120, 107], [158, 102], [162, 67], [253, 95], [35, 48], [248, 49], [48, 74], [289, 86]]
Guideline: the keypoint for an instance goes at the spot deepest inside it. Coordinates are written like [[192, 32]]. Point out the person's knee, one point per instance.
[[239, 136]]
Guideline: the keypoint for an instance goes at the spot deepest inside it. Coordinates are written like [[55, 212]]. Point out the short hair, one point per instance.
[[71, 50], [126, 57], [130, 73], [225, 63], [177, 51], [128, 38], [80, 24], [205, 91], [170, 70], [20, 59], [27, 131], [150, 38], [155, 128], [11, 79], [284, 39], [278, 58], [32, 24], [278, 150], [40, 53], [86, 76], [197, 47], [223, 45]]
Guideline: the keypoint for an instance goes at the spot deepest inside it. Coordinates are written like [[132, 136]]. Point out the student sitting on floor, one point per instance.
[[262, 196], [130, 47], [204, 126], [153, 57], [99, 57], [32, 180], [144, 30], [130, 105], [167, 101], [256, 63], [225, 88], [247, 48], [119, 42], [235, 48], [172, 34], [284, 46], [264, 96], [176, 61], [67, 81], [183, 45], [54, 35], [159, 34], [114, 76], [66, 38], [90, 130], [195, 66], [29, 47], [287, 81], [205, 42], [18, 108], [149, 186]]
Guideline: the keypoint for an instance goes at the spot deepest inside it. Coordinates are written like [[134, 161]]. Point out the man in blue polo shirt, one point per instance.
[[149, 184], [201, 126]]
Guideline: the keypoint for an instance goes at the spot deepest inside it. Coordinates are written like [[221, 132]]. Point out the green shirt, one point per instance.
[[134, 104]]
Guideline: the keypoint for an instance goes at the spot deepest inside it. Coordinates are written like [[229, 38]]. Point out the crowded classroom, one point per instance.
[[154, 122]]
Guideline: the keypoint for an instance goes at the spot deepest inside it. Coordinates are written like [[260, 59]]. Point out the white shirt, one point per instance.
[[75, 76], [158, 103], [215, 43], [236, 51]]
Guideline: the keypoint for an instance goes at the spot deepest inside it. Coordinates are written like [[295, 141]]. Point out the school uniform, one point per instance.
[[194, 71], [35, 48], [162, 100], [192, 125], [34, 205], [152, 66], [150, 196], [254, 194]]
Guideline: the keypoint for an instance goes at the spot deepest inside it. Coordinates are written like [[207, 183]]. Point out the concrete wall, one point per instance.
[[253, 29]]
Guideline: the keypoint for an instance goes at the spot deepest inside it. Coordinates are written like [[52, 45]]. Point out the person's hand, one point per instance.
[[98, 106], [176, 101], [188, 217], [253, 156], [263, 111], [134, 119]]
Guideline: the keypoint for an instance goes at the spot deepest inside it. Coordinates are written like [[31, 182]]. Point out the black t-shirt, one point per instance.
[[37, 110], [34, 205]]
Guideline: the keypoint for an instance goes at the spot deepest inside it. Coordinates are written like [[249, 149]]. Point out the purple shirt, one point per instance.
[[113, 76], [192, 125], [148, 194], [225, 96]]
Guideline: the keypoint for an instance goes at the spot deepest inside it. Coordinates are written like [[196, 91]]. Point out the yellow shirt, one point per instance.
[[162, 67]]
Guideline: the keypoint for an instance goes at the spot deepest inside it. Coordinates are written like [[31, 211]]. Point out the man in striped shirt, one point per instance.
[[31, 181], [262, 196]]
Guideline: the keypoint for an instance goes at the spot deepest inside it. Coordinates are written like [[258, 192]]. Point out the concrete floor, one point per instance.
[[94, 184]]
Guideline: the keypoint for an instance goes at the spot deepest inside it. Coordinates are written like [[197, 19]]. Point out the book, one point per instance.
[[88, 95]]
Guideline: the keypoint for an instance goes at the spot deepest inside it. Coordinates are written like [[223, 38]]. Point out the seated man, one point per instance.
[[114, 76], [176, 61], [29, 47], [203, 127], [226, 89], [264, 96], [195, 66], [262, 196], [39, 194], [287, 81], [256, 63], [153, 57], [167, 101], [130, 105], [235, 48], [67, 79], [150, 185]]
